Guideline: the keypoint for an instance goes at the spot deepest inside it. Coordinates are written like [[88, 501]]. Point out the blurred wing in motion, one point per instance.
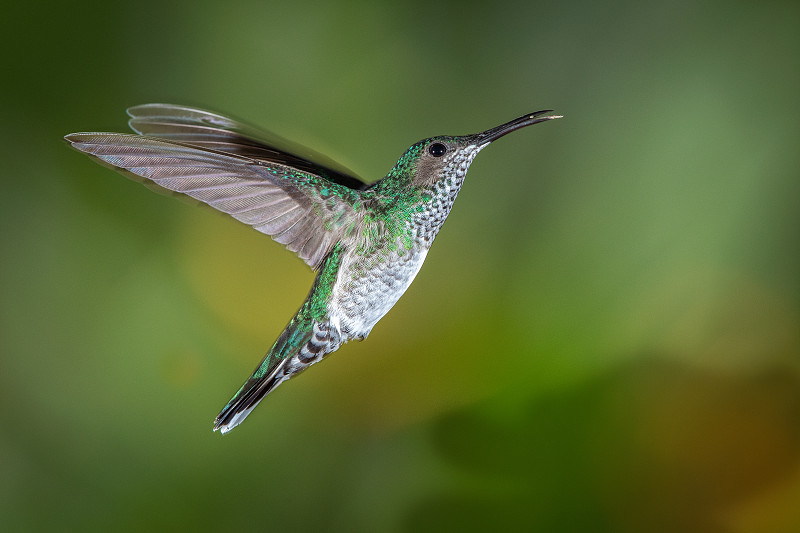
[[216, 132]]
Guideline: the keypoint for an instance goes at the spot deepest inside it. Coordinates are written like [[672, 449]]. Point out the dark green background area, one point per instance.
[[605, 337]]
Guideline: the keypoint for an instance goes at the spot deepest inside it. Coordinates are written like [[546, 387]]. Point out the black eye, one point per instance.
[[437, 149]]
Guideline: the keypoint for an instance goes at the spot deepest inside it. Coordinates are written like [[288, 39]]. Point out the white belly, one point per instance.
[[367, 288]]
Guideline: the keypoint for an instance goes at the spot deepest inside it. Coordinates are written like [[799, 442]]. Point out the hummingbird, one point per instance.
[[366, 242]]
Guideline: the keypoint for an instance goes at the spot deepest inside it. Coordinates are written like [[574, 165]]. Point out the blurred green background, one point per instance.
[[605, 337]]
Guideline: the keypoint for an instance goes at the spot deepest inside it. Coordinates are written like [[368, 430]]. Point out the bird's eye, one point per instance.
[[437, 149]]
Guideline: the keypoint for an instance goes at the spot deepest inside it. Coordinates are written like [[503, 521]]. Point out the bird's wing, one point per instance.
[[303, 210], [216, 132]]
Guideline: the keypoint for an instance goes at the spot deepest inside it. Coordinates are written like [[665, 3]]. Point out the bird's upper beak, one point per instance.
[[495, 133]]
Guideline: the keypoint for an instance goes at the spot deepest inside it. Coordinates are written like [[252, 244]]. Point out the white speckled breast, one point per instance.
[[367, 288], [368, 285]]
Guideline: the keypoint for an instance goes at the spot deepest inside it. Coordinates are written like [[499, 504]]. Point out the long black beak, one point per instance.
[[526, 120]]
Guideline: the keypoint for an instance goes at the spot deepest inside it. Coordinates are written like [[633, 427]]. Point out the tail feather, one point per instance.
[[308, 338], [301, 344], [276, 368], [247, 398]]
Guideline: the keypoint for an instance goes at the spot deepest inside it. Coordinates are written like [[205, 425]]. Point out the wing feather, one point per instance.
[[212, 131], [302, 210]]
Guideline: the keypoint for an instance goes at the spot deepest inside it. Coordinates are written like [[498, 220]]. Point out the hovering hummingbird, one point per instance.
[[367, 242]]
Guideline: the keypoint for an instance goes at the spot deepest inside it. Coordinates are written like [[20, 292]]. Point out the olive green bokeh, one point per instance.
[[606, 336]]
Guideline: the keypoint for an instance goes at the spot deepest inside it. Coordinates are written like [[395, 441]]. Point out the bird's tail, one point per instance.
[[306, 340], [271, 372], [302, 343]]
